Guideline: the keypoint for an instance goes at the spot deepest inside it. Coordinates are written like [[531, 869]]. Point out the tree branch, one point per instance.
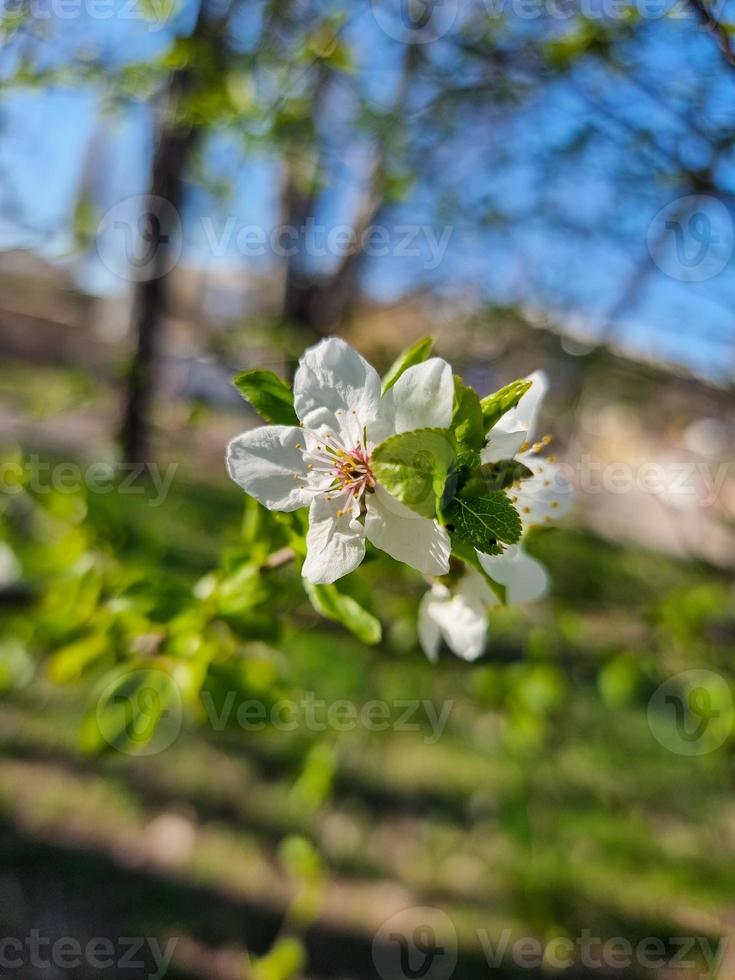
[[709, 21]]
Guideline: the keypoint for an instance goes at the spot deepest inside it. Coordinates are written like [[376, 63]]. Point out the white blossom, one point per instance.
[[457, 615], [547, 495], [525, 579], [539, 499], [325, 464]]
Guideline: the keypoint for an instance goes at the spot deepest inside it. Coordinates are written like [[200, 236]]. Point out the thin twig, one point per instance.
[[718, 30], [278, 559]]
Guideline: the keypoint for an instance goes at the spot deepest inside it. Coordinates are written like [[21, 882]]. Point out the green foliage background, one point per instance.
[[546, 804]]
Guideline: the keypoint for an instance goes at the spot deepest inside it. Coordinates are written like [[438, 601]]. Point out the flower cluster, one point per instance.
[[418, 466]]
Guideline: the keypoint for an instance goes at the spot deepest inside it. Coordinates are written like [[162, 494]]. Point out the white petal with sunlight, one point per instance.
[[268, 464], [422, 398], [334, 378], [406, 536], [335, 544]]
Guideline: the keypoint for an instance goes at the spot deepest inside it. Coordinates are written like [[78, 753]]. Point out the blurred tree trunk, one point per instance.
[[319, 302], [176, 142], [314, 302], [173, 148]]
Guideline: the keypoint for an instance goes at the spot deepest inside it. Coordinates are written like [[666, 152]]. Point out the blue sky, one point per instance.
[[573, 258]]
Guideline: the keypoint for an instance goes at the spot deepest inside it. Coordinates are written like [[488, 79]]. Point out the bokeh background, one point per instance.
[[188, 191]]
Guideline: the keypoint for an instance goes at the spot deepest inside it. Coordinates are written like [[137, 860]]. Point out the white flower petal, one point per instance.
[[525, 578], [474, 587], [525, 414], [406, 536], [422, 398], [461, 619], [516, 426], [465, 627], [502, 445], [545, 496], [334, 378], [430, 635], [267, 463], [10, 570], [335, 545]]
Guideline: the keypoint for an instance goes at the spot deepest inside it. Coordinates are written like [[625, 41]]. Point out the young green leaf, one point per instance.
[[413, 355], [71, 661], [467, 422], [269, 395], [484, 521], [284, 960], [495, 406], [495, 476], [415, 466], [340, 608]]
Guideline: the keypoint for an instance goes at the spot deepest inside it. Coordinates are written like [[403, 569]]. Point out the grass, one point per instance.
[[546, 805]]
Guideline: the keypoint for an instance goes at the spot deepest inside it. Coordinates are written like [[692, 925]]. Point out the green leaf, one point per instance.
[[495, 476], [414, 467], [69, 663], [313, 788], [130, 708], [413, 355], [16, 665], [284, 961], [269, 395], [467, 422], [340, 608], [299, 856], [484, 521], [495, 406]]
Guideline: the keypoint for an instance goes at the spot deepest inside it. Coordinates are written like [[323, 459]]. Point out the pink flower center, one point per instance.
[[352, 470]]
